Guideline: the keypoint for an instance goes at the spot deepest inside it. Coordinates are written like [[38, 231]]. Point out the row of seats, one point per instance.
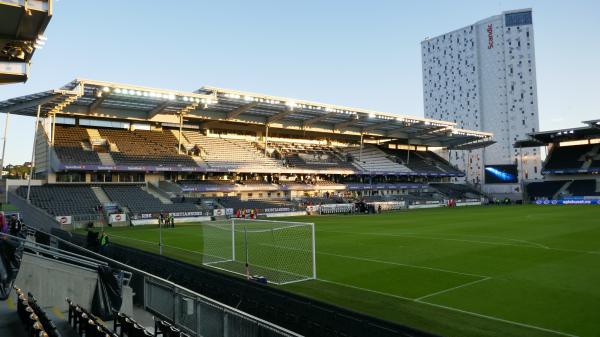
[[159, 148], [139, 201], [145, 147], [422, 161], [69, 146], [166, 329], [73, 145], [549, 189], [86, 324], [127, 326], [34, 318], [457, 191], [371, 158], [60, 200], [572, 157], [322, 201], [586, 187], [311, 156], [261, 205], [228, 153], [381, 198]]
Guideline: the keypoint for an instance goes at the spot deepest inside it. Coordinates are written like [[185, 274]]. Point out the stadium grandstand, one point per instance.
[[571, 166], [118, 155], [105, 148], [22, 25]]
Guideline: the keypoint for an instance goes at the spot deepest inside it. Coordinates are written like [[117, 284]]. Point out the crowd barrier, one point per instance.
[[174, 299]]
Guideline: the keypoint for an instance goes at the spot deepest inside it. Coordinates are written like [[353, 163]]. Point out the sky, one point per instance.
[[364, 54]]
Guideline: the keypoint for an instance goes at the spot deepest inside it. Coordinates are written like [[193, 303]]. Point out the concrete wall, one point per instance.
[[52, 281], [32, 215]]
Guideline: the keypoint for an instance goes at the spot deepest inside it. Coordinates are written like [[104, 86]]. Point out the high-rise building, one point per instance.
[[483, 77]]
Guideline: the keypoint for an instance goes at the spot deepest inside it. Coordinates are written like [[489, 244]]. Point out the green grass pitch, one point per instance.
[[473, 271]]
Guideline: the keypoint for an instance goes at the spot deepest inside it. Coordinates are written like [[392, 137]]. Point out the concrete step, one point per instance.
[[185, 143], [93, 133], [562, 190], [153, 190], [106, 159], [169, 186], [100, 194]]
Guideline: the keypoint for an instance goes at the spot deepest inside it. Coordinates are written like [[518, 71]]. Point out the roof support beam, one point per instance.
[[279, 116], [397, 133], [343, 125], [429, 130], [313, 120], [208, 124], [375, 126], [240, 110], [158, 109], [92, 108], [31, 104]]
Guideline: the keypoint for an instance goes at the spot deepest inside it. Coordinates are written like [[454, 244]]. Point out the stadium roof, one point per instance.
[[210, 107], [22, 23], [592, 130]]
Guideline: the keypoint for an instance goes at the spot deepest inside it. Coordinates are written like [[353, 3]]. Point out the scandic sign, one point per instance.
[[490, 32]]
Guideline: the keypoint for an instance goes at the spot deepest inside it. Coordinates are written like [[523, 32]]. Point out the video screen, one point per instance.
[[501, 174]]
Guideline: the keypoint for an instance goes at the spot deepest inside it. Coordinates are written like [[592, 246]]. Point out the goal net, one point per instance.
[[282, 252]]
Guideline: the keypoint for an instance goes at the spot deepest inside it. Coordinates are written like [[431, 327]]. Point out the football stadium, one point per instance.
[[149, 211]]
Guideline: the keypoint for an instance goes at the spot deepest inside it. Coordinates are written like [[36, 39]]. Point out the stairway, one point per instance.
[[586, 164], [151, 189], [106, 159], [184, 141], [561, 190], [169, 186], [93, 134], [101, 195]]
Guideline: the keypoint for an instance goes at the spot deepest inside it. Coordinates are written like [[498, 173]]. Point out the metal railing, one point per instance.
[[188, 310]]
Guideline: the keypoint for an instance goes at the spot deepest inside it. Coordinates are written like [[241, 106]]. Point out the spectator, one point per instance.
[[3, 224], [103, 242], [14, 225]]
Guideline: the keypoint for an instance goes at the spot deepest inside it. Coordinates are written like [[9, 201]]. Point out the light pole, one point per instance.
[[160, 240]]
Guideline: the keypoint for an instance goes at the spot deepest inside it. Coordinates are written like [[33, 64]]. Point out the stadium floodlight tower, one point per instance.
[[281, 251], [22, 25]]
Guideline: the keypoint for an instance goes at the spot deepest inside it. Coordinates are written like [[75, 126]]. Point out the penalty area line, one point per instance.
[[493, 318], [453, 288]]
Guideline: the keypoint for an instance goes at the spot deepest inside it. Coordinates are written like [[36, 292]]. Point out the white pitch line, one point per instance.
[[382, 261], [368, 290], [493, 318], [525, 325], [402, 264], [420, 236], [453, 288]]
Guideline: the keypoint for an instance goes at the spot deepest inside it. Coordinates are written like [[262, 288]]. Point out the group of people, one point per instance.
[[97, 242], [166, 220], [243, 213], [12, 226]]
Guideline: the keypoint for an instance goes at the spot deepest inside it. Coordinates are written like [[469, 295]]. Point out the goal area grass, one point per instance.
[[468, 271]]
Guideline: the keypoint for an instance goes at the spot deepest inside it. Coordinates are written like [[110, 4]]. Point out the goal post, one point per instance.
[[281, 251]]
